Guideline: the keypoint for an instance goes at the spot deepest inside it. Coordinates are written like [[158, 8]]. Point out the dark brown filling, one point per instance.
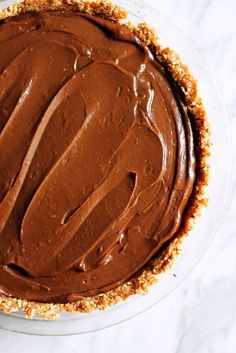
[[96, 156]]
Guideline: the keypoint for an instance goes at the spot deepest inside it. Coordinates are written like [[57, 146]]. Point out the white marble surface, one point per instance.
[[200, 316]]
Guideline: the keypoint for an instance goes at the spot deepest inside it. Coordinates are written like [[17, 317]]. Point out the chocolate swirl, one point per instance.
[[96, 156]]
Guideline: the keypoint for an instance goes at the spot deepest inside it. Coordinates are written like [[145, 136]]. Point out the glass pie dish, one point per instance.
[[196, 244]]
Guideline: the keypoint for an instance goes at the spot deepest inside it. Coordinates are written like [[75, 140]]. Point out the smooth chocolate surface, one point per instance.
[[96, 156]]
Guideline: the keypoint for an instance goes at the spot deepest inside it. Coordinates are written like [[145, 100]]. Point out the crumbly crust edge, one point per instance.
[[141, 283]]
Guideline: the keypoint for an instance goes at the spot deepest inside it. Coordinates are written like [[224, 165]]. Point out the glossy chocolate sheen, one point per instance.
[[96, 156]]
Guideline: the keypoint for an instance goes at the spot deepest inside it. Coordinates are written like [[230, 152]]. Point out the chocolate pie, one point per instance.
[[103, 156]]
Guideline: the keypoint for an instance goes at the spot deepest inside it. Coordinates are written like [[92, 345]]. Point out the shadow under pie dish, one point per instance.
[[104, 143]]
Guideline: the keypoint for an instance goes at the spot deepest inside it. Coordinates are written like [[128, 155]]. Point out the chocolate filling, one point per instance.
[[96, 156]]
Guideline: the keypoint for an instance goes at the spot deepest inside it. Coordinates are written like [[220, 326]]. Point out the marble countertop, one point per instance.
[[200, 315]]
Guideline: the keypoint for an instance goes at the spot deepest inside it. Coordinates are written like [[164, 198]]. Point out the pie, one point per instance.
[[103, 156]]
